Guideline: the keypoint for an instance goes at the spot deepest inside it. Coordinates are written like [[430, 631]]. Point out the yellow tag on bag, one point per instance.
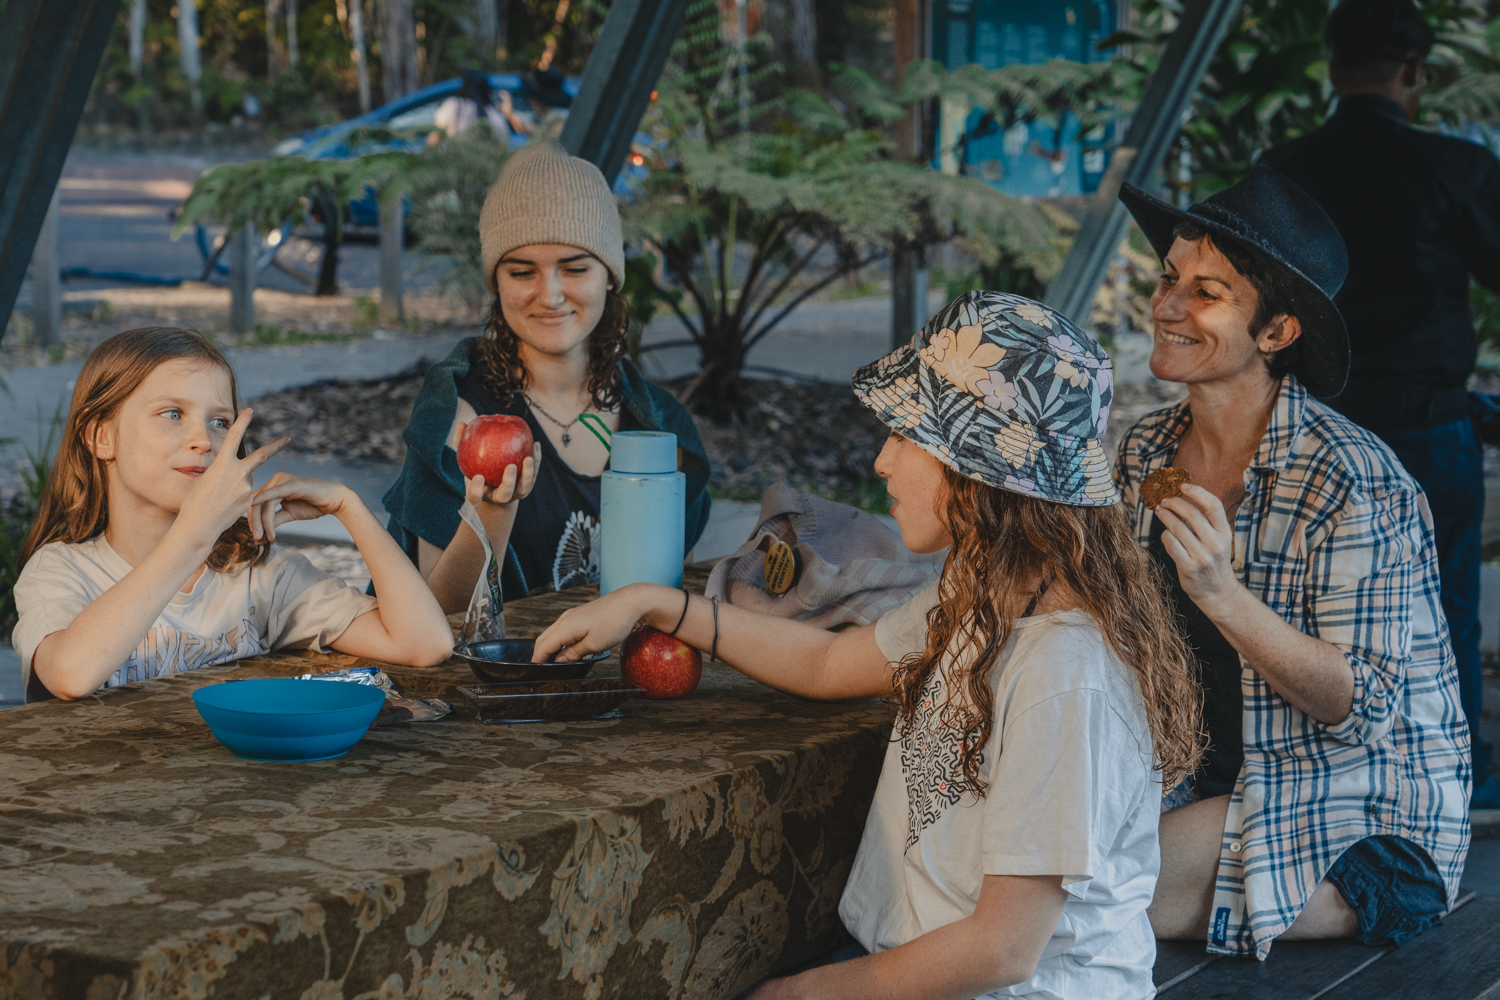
[[781, 568]]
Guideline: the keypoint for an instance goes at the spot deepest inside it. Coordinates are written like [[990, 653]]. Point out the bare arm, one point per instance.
[[787, 655], [73, 662], [1311, 674], [408, 626], [451, 572], [996, 946]]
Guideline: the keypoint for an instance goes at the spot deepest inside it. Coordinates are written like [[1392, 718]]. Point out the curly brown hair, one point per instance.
[[75, 503], [498, 356], [1004, 541]]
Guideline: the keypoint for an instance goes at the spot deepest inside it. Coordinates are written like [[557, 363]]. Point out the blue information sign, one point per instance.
[[1040, 159]]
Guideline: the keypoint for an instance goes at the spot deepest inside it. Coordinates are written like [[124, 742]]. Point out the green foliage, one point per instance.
[[448, 185], [265, 193], [749, 225], [323, 86], [1484, 306], [1268, 83], [17, 512], [1090, 93]]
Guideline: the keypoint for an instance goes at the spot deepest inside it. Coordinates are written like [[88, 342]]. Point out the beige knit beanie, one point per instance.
[[543, 195]]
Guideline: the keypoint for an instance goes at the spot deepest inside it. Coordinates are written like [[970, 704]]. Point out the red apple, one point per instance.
[[492, 442], [660, 665]]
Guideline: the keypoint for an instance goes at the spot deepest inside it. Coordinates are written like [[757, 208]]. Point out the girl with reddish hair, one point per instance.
[[151, 552]]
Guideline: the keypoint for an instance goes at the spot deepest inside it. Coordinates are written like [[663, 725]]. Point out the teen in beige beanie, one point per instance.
[[553, 353], [546, 196]]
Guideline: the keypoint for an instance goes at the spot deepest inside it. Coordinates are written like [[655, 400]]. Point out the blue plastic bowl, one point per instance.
[[284, 719]]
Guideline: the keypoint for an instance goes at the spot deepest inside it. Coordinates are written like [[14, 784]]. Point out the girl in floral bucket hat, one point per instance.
[[1041, 690]]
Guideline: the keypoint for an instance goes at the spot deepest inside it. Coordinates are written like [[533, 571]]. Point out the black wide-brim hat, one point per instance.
[[1274, 219]]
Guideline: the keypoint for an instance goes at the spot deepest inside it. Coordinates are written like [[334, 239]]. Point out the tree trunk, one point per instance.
[[244, 248], [188, 59], [486, 26], [138, 60], [328, 214], [361, 65], [717, 392], [137, 37], [805, 40], [398, 48], [273, 40], [291, 33], [46, 282]]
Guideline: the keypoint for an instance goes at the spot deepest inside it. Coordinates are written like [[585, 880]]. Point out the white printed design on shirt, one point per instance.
[[577, 560], [167, 650], [931, 755]]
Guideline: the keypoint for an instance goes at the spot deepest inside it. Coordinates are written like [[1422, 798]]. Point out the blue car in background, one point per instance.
[[417, 110]]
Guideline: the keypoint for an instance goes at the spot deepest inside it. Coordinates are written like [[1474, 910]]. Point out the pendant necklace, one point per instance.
[[566, 437]]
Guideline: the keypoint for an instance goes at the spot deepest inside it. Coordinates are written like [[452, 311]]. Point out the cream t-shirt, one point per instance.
[[284, 602], [1072, 791]]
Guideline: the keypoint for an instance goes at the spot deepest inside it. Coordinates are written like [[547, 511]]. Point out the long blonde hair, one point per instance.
[[1004, 541], [75, 504]]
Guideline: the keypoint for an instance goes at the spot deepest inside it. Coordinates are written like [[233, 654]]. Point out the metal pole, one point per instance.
[[909, 264], [1168, 96], [392, 232], [242, 274], [633, 46], [49, 53], [908, 294], [46, 282]]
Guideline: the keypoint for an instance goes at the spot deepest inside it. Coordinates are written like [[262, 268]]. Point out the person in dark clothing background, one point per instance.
[[1419, 213]]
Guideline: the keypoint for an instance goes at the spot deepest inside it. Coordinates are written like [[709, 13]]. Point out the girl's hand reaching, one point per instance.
[[603, 623], [301, 499], [224, 491]]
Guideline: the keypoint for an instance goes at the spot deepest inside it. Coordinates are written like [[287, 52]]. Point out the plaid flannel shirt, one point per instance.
[[1336, 537]]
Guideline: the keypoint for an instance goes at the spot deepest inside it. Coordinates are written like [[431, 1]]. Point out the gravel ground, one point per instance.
[[341, 419]]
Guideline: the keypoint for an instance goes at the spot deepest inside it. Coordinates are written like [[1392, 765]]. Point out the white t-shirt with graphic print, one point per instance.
[[1072, 791], [285, 601]]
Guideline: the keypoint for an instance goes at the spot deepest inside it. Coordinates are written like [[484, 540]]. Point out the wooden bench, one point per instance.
[[1457, 960]]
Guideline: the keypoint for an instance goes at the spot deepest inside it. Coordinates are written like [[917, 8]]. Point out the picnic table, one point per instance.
[[686, 849]]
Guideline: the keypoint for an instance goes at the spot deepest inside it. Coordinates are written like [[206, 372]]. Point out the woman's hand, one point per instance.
[[1197, 536], [301, 499], [601, 624], [225, 490], [515, 484]]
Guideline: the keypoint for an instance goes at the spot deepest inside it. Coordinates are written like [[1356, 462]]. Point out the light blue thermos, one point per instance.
[[642, 512]]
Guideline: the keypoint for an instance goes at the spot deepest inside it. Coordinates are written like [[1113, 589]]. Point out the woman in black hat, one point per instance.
[[1332, 800]]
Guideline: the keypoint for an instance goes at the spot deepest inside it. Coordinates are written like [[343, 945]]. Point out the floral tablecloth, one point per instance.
[[683, 851]]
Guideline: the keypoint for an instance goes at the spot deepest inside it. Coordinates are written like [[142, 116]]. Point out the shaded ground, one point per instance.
[[815, 436]]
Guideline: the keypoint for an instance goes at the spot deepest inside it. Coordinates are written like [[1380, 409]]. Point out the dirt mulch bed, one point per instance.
[[817, 437], [360, 420]]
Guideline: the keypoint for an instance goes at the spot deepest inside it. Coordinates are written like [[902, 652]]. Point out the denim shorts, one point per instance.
[[1393, 887]]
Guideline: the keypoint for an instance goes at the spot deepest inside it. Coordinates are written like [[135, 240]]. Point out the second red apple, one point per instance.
[[492, 442], [660, 665]]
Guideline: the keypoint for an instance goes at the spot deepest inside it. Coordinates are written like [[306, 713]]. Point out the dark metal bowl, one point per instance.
[[502, 660]]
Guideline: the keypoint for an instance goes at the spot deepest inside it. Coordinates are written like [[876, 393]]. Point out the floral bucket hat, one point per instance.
[[1005, 391]]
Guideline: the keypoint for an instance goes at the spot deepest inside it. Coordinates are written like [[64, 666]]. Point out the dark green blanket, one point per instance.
[[425, 499]]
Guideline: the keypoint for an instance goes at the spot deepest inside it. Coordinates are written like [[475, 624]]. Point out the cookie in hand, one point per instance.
[[1163, 484]]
